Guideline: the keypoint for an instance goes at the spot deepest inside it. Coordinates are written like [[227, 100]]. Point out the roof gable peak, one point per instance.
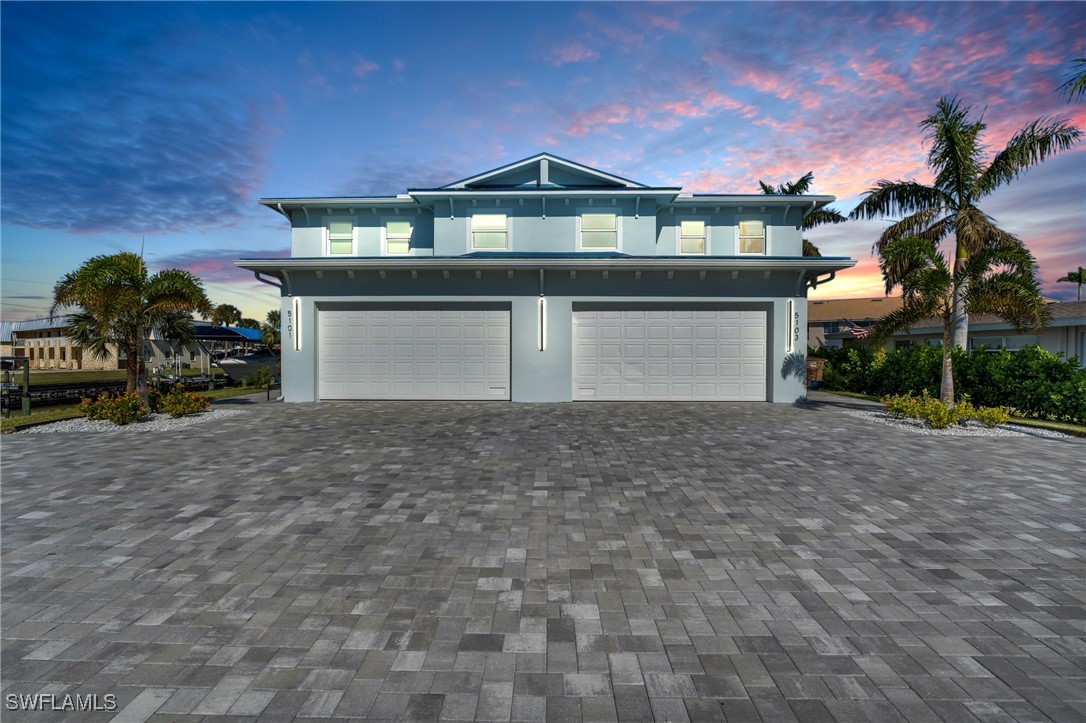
[[542, 170]]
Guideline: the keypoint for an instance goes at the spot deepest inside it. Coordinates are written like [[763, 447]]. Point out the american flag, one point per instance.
[[857, 331]]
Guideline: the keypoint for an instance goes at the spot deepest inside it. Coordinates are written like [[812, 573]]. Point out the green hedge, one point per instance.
[[1032, 382]]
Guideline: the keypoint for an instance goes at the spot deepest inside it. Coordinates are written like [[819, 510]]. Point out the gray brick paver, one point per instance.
[[548, 562]]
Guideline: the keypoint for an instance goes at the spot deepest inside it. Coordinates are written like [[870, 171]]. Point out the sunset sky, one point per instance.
[[166, 122]]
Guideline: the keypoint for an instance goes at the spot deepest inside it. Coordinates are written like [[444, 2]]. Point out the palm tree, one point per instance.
[[929, 288], [248, 323], [226, 315], [815, 218], [270, 331], [1075, 87], [1075, 277], [962, 179], [120, 304]]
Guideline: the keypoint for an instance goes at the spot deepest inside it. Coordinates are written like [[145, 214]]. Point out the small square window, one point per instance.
[[599, 231], [691, 237], [340, 237], [489, 231], [751, 237], [398, 238]]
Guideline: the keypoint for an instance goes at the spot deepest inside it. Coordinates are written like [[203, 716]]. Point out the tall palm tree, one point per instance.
[[930, 288], [270, 331], [1075, 277], [226, 315], [949, 207], [815, 218], [120, 304], [1075, 87]]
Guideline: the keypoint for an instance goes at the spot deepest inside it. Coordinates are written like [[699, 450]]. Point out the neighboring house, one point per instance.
[[826, 318], [545, 280], [47, 344], [1066, 332]]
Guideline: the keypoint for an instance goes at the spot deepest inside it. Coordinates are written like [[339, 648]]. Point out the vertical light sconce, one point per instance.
[[542, 323]]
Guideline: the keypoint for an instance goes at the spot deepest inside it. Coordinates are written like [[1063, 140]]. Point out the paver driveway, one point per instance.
[[546, 562]]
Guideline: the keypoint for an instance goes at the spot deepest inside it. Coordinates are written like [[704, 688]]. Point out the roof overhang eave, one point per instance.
[[818, 265], [441, 195]]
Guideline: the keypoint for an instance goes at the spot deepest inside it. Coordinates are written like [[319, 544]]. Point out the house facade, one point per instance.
[[48, 345], [545, 280], [826, 318], [1065, 333]]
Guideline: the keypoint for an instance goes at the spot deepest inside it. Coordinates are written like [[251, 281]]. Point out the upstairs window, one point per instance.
[[751, 237], [691, 237], [599, 231], [340, 238], [489, 231], [398, 238]]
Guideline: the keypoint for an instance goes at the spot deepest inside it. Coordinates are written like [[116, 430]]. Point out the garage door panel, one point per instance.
[[681, 354], [414, 353]]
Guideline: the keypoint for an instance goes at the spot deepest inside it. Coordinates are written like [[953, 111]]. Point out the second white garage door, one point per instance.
[[414, 353], [670, 354]]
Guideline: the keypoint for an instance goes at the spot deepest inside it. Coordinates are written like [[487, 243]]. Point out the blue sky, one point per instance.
[[166, 122]]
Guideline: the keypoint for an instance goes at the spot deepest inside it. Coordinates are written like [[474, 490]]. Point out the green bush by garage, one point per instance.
[[1032, 381]]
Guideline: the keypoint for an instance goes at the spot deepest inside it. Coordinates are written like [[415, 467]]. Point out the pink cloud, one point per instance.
[[972, 48], [398, 65], [599, 117], [575, 52], [918, 25], [659, 21], [363, 66], [1042, 57], [875, 70]]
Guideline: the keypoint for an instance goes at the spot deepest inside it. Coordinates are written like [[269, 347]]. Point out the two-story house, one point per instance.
[[545, 281]]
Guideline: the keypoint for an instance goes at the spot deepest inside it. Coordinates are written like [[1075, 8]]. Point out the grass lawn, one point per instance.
[[1075, 430], [56, 414]]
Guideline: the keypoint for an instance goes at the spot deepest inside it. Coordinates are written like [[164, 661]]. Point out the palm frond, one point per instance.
[[974, 230], [821, 217], [901, 319], [1010, 296], [1031, 145], [809, 249], [902, 260], [795, 188], [175, 290], [1074, 277], [1075, 86], [900, 198], [923, 224], [955, 151], [88, 332]]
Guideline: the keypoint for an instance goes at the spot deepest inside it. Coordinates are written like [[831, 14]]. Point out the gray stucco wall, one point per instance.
[[546, 376], [644, 230]]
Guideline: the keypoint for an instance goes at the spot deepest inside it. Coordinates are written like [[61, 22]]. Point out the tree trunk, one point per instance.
[[946, 388], [130, 367], [141, 368], [959, 329]]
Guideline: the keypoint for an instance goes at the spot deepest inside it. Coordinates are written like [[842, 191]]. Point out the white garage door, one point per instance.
[[414, 353], [669, 355]]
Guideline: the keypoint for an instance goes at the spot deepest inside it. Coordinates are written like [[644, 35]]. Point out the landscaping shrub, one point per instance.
[[259, 378], [1031, 382], [179, 403], [939, 416], [120, 409]]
